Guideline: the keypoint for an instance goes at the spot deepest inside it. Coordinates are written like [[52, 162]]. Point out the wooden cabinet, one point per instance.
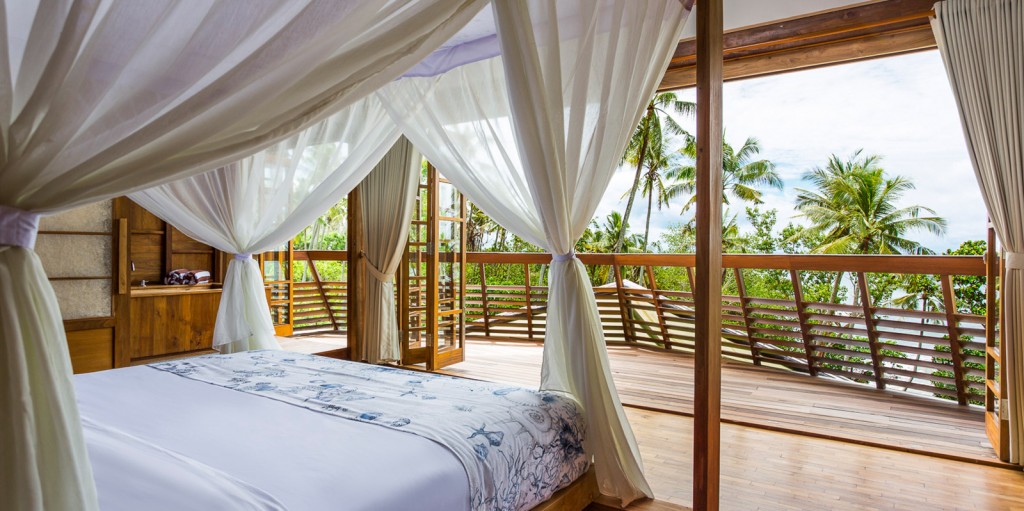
[[171, 320], [156, 248]]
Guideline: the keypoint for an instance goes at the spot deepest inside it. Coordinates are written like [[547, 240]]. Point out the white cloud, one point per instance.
[[898, 107]]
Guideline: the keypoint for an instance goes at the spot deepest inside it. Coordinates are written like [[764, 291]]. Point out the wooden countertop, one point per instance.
[[165, 290]]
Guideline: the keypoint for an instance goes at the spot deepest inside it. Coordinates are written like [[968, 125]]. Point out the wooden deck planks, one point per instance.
[[770, 470], [762, 396], [779, 471]]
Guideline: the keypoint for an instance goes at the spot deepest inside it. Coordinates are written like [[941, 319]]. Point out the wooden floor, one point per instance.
[[313, 343], [771, 470], [763, 397], [779, 471]]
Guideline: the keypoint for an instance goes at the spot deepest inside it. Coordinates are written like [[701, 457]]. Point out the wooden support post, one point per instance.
[[628, 330], [484, 301], [805, 327], [869, 325], [529, 300], [997, 426], [323, 296], [657, 307], [122, 280], [748, 322], [955, 348], [991, 324], [707, 399], [356, 294]]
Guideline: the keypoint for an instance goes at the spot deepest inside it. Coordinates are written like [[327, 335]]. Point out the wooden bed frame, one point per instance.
[[575, 497]]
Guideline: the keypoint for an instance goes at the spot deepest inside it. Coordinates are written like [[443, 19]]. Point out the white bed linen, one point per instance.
[[302, 459]]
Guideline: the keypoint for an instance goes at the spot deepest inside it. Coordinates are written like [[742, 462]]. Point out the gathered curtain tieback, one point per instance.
[[243, 257], [1015, 260], [18, 228], [377, 274], [558, 258]]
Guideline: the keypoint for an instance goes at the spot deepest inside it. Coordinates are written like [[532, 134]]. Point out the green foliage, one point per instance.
[[648, 146], [743, 176], [327, 232], [969, 290], [853, 208], [976, 393]]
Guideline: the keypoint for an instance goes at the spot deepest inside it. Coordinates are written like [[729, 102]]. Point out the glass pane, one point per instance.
[[448, 200], [279, 313], [448, 332], [280, 291], [276, 265]]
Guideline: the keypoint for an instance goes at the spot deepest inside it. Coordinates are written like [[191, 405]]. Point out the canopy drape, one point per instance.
[[533, 138], [982, 45], [262, 201], [98, 99], [387, 197]]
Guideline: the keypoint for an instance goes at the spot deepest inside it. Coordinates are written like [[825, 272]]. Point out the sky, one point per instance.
[[898, 107]]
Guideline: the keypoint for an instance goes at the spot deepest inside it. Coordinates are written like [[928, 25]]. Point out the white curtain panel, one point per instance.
[[982, 45], [533, 138], [102, 98], [259, 203], [387, 196]]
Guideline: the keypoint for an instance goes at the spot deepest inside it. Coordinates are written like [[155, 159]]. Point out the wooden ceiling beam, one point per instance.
[[865, 31]]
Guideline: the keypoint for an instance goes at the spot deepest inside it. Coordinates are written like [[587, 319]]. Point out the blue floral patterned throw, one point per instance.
[[518, 446]]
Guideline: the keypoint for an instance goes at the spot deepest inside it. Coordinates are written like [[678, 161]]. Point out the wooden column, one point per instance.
[[484, 301], [122, 282], [707, 292], [323, 295], [997, 425], [805, 324], [653, 285], [628, 330], [955, 346], [869, 325], [529, 300], [356, 295], [748, 321]]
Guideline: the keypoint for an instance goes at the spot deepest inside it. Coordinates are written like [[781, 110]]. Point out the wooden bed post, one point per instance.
[[355, 295], [708, 284]]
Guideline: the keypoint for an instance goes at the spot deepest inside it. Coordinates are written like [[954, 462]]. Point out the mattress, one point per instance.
[[164, 438]]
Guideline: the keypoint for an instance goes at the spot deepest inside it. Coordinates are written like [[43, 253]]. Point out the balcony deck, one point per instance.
[[764, 398]]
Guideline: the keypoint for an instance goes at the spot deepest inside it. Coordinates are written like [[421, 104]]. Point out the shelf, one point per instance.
[[166, 290]]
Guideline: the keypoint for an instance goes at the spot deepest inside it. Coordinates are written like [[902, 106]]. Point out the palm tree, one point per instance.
[[653, 128], [615, 228], [853, 209], [653, 184], [742, 175], [732, 241]]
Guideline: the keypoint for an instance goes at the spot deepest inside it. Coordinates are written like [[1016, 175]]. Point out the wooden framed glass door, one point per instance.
[[432, 283], [449, 274], [413, 279], [276, 266]]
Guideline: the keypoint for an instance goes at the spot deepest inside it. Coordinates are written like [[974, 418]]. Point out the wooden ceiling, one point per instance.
[[860, 32]]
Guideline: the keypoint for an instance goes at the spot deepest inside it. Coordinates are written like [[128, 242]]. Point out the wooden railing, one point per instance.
[[940, 352], [319, 304]]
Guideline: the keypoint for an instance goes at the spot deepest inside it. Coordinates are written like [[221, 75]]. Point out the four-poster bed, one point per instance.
[[526, 105], [288, 431]]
